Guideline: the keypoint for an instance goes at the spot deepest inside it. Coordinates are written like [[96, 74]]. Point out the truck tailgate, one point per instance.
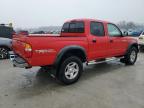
[[18, 44]]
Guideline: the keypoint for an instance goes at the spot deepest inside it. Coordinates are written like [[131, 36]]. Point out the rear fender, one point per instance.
[[66, 50]]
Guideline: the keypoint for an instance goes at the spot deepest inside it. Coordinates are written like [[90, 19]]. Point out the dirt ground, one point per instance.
[[107, 85]]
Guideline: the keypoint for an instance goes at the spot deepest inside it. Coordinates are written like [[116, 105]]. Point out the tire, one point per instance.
[[70, 70], [131, 57], [3, 53]]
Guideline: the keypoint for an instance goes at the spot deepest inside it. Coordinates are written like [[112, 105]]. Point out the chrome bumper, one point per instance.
[[18, 61]]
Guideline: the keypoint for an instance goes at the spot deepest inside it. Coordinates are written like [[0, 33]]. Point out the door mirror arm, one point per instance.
[[124, 33]]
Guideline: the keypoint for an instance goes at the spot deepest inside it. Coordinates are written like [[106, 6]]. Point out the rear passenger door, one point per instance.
[[98, 40]]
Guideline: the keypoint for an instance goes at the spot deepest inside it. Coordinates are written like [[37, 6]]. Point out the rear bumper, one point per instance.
[[18, 61]]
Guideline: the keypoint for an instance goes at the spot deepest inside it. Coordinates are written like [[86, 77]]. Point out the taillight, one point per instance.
[[28, 50]]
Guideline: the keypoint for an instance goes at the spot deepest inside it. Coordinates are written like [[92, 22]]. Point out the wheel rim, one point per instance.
[[71, 70], [133, 56], [3, 53]]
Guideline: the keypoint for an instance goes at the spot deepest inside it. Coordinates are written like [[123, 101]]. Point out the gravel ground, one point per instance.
[[107, 85]]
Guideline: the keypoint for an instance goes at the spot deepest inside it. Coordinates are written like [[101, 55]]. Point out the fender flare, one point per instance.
[[66, 49], [132, 45]]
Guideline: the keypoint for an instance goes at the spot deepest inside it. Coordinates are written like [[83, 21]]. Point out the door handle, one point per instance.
[[94, 40], [111, 41]]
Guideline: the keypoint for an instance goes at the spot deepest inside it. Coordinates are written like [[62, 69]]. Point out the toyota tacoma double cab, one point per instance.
[[80, 41]]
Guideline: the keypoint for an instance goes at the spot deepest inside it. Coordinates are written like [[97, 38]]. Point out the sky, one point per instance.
[[36, 13]]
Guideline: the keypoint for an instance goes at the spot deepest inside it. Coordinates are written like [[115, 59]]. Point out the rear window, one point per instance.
[[143, 33], [73, 27]]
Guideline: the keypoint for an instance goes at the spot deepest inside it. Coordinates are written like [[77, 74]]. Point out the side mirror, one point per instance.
[[124, 33]]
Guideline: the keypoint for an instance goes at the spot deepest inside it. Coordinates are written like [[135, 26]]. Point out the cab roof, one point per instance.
[[87, 20]]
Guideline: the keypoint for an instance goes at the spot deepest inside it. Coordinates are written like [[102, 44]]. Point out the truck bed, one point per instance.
[[45, 47]]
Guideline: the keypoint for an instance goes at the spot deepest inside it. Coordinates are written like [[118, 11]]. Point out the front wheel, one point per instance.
[[131, 57], [70, 70]]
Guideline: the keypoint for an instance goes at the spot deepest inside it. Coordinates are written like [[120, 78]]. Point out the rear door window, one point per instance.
[[97, 29]]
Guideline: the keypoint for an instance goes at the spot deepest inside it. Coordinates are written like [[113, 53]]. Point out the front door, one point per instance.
[[117, 43]]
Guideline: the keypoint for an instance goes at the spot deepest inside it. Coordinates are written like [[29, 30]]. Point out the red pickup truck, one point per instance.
[[80, 41]]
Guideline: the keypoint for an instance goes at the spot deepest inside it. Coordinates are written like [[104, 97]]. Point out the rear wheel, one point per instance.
[[3, 53], [70, 70], [131, 56]]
